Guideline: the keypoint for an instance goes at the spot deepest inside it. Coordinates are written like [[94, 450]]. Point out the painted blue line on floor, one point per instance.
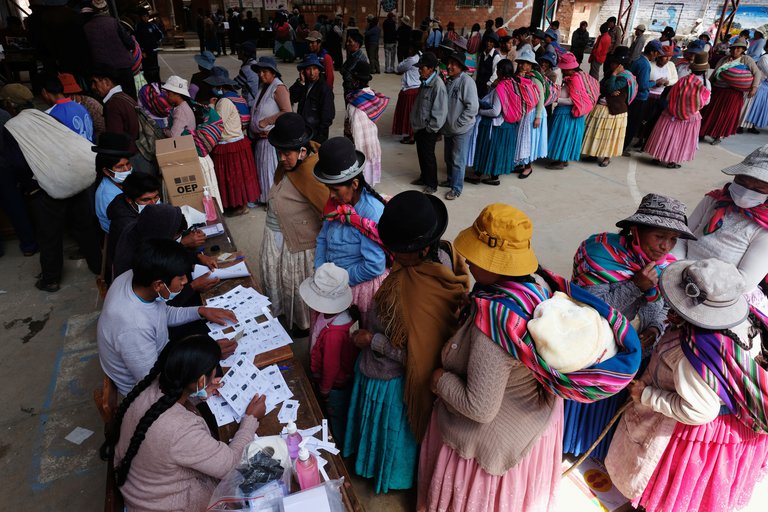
[[37, 453]]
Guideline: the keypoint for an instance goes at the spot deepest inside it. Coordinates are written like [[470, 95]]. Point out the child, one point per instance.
[[332, 354]]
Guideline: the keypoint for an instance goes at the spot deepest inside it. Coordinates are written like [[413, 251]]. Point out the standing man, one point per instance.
[[617, 35], [72, 115], [427, 118], [403, 38], [221, 32], [599, 54], [637, 46], [390, 43], [315, 42], [200, 27], [579, 41], [486, 64], [537, 42], [638, 110], [314, 98], [235, 31], [372, 37], [355, 55], [149, 36], [459, 123]]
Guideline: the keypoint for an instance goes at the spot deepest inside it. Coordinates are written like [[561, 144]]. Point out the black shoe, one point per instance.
[[739, 130], [753, 130], [444, 184], [51, 287]]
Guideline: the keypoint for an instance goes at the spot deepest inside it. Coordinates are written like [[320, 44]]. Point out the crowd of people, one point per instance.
[[470, 394]]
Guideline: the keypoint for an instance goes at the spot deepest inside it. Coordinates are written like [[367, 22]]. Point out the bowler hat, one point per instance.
[[338, 161], [205, 60], [538, 34], [428, 59], [290, 132], [362, 72], [412, 221], [219, 76], [113, 144], [310, 59], [266, 62], [700, 62]]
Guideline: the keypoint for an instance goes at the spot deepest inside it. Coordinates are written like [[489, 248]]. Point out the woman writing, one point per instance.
[[349, 235], [623, 270], [165, 457], [607, 124], [233, 163], [294, 218], [415, 311], [696, 434], [272, 101]]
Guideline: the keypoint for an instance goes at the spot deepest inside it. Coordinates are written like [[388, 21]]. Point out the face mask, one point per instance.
[[178, 239], [119, 177], [200, 393], [218, 92], [171, 295], [745, 197], [140, 207]]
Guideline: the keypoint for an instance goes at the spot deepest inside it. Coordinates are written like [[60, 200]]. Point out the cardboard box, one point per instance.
[[182, 175]]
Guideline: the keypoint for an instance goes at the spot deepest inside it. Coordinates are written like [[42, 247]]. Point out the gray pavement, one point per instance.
[[48, 354]]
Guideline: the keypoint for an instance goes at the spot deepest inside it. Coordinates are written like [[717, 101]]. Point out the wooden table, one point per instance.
[[309, 413]]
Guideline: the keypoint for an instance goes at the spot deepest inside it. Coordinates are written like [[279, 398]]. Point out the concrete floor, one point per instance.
[[48, 351]]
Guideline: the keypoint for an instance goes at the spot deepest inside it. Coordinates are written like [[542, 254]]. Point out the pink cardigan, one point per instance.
[[179, 464]]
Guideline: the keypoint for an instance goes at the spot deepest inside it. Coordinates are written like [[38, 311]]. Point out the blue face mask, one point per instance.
[[171, 295], [217, 92], [200, 393]]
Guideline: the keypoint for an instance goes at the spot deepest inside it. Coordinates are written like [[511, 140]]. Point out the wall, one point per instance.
[[570, 14], [465, 17]]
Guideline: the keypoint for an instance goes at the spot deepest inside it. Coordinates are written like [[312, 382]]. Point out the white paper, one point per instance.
[[222, 411], [213, 230], [518, 5], [226, 25], [78, 435], [231, 272], [243, 381], [289, 412], [315, 499], [192, 215]]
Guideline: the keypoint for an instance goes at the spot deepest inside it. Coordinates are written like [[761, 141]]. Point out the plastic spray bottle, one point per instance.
[[210, 208], [306, 469]]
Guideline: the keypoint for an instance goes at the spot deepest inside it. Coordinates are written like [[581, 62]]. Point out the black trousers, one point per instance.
[[52, 217], [372, 49], [222, 37], [425, 149], [635, 117]]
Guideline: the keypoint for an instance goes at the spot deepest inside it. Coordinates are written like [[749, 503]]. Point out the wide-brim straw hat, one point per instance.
[[499, 241], [412, 221], [754, 165], [327, 291], [338, 161], [706, 293], [657, 211]]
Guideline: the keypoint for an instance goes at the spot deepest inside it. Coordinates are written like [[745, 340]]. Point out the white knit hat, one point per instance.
[[178, 85]]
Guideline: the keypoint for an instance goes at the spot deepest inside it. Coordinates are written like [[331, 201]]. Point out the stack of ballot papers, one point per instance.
[[240, 384], [231, 272]]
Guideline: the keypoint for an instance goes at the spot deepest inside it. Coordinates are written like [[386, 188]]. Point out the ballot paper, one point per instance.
[[213, 230], [289, 412], [243, 381], [222, 411], [231, 272]]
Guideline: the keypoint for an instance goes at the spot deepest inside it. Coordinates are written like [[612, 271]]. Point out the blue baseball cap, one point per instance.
[[654, 46]]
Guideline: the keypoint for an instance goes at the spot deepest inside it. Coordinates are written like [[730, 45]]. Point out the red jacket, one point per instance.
[[333, 357], [600, 50]]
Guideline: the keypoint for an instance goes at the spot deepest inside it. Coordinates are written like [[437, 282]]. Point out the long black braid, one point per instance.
[[181, 363]]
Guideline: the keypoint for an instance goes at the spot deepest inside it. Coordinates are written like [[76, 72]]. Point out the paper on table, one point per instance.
[[289, 411], [244, 380], [232, 272], [78, 435], [222, 411], [213, 230], [314, 499]]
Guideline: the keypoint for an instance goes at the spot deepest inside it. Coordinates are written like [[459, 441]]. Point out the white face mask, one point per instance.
[[745, 197], [119, 177], [140, 207]]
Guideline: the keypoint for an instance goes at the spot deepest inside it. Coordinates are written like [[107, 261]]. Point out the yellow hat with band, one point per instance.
[[499, 241]]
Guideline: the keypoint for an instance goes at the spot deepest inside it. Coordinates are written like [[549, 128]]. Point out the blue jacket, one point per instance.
[[105, 193], [641, 68], [348, 248], [74, 116]]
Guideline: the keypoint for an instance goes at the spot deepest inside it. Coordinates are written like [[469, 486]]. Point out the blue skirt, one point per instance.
[[758, 114], [378, 432], [539, 138], [495, 148], [566, 135], [584, 422]]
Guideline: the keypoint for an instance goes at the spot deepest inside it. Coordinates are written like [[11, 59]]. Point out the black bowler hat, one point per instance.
[[412, 221], [427, 60], [113, 144], [362, 72], [338, 161], [290, 132]]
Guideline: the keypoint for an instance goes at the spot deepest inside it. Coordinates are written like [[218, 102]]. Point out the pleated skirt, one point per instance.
[[758, 114], [539, 138], [674, 140], [401, 124], [721, 117], [236, 173], [604, 133], [566, 134], [495, 148], [266, 164], [378, 433], [583, 423]]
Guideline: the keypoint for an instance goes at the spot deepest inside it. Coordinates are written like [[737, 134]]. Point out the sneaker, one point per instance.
[[452, 194], [444, 184], [429, 190]]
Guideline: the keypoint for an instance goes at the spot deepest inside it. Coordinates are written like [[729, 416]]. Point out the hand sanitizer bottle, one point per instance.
[[306, 468], [293, 440], [210, 208]]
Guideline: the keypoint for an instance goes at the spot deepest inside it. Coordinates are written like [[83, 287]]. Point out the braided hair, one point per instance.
[[181, 363], [363, 186]]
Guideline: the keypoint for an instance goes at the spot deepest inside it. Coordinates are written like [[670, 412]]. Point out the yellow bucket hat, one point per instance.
[[499, 241]]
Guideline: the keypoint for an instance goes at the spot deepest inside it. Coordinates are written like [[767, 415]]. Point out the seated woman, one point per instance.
[[415, 311], [349, 237], [294, 218], [731, 224], [112, 168], [495, 438], [182, 117], [696, 434], [623, 270], [165, 456]]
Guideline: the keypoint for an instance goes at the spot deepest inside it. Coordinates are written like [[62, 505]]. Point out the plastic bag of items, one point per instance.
[[325, 497]]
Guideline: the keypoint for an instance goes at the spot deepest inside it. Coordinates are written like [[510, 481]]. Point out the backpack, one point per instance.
[[149, 132]]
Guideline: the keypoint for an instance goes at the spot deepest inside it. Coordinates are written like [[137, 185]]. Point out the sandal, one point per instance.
[[491, 181], [673, 165], [605, 163]]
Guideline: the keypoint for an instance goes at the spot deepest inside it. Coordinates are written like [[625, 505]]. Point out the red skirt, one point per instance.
[[721, 117], [236, 173], [401, 125]]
